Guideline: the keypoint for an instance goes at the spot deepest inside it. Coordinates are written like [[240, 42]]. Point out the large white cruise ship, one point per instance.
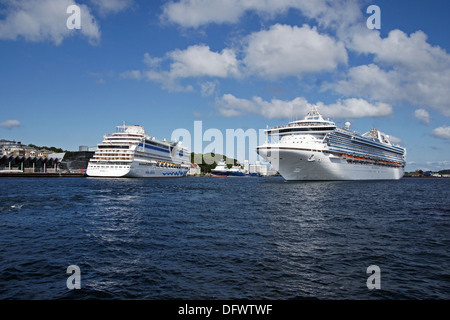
[[315, 149], [130, 152]]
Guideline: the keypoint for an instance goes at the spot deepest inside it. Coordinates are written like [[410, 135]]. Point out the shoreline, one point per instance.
[[42, 174], [83, 174]]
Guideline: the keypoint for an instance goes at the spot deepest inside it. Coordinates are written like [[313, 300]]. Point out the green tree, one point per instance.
[[205, 167]]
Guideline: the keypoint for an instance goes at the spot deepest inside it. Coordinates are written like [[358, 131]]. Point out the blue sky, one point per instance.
[[230, 64]]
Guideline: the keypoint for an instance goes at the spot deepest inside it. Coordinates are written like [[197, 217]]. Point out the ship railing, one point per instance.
[[356, 158], [303, 124]]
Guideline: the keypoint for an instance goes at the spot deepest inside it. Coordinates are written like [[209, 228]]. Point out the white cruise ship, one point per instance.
[[315, 149], [130, 152]]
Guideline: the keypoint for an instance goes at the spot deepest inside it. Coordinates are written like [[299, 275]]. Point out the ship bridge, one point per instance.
[[312, 123]]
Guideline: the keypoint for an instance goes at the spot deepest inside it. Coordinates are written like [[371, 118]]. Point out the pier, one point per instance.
[[15, 174], [30, 163]]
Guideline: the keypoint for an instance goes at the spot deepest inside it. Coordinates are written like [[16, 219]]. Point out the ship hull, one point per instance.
[[227, 173], [306, 165], [136, 170]]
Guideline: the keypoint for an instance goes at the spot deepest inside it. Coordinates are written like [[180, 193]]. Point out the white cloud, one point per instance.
[[416, 87], [158, 76], [208, 88], [422, 115], [356, 108], [411, 52], [152, 61], [45, 20], [106, 7], [439, 165], [195, 61], [132, 74], [408, 69], [284, 50], [395, 140], [370, 81], [195, 13], [9, 124], [230, 106], [270, 53], [405, 68], [442, 132], [199, 61]]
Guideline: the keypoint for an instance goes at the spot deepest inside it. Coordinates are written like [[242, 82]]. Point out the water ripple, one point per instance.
[[236, 238]]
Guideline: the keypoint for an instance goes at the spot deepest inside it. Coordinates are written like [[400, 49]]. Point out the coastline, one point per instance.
[[42, 174], [83, 174]]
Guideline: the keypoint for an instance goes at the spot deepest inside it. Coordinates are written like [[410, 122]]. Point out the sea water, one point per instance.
[[224, 238]]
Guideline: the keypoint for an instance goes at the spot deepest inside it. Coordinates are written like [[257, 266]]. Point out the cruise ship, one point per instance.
[[316, 149], [130, 152]]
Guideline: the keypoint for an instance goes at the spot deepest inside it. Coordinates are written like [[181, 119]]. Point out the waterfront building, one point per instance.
[[194, 170], [262, 169]]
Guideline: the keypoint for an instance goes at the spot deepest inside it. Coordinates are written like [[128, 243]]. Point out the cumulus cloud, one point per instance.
[[370, 81], [406, 68], [422, 115], [402, 68], [438, 165], [132, 74], [230, 106], [272, 53], [199, 61], [9, 124], [189, 13], [442, 132], [395, 140], [196, 13], [152, 62], [106, 7], [285, 50], [208, 88], [45, 20], [412, 52], [196, 61]]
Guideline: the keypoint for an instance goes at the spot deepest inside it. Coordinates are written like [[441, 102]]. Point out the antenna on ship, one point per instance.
[[314, 113], [347, 125]]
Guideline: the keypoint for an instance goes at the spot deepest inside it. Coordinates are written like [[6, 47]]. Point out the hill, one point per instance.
[[209, 161], [54, 149]]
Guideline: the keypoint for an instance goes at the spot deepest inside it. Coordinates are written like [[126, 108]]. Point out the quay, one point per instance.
[[41, 174]]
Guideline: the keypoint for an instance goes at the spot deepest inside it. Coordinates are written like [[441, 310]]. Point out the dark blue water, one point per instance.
[[224, 238]]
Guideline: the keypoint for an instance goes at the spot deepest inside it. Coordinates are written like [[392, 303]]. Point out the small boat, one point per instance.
[[221, 170]]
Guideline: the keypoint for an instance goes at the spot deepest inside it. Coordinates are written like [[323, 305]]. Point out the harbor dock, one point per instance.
[[42, 174]]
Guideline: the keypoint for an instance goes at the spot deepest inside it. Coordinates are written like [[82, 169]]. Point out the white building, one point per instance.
[[194, 170], [262, 169]]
